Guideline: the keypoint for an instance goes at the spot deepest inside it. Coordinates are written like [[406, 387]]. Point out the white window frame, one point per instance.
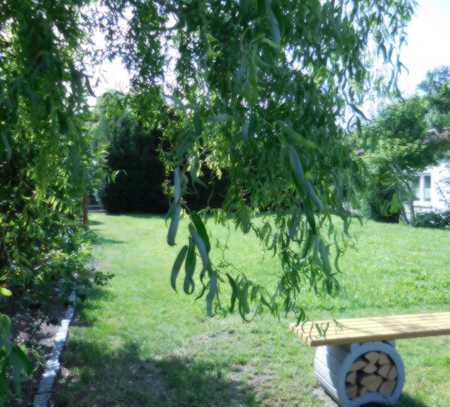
[[420, 196]]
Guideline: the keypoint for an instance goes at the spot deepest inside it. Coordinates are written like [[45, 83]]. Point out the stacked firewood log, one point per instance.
[[372, 372]]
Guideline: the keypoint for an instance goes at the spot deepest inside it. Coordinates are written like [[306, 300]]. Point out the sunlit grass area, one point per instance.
[[137, 343]]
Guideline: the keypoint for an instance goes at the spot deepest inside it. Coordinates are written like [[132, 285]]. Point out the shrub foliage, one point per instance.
[[136, 153], [46, 161]]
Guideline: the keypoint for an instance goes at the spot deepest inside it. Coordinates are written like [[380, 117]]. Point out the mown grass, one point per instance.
[[137, 343]]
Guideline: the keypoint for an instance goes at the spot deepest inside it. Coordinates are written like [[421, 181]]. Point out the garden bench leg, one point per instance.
[[358, 374]]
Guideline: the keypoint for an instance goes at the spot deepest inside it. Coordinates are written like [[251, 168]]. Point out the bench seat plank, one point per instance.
[[384, 328]]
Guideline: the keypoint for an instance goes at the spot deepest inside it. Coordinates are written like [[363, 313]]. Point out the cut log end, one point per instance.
[[372, 382], [372, 357], [373, 372], [387, 388], [384, 359], [358, 365]]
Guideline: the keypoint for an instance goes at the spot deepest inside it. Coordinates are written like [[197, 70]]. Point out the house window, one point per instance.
[[416, 188], [422, 187], [427, 187]]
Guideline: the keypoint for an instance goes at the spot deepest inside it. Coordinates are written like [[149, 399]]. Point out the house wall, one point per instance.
[[440, 189]]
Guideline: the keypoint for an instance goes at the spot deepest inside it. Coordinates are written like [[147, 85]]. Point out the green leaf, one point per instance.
[[177, 266], [5, 292], [274, 26], [211, 293], [201, 246], [234, 291], [244, 307], [200, 226], [301, 181], [177, 184], [173, 227], [189, 267], [271, 43], [194, 164], [358, 110]]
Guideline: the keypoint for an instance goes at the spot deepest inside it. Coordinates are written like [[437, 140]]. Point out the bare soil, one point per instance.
[[34, 327]]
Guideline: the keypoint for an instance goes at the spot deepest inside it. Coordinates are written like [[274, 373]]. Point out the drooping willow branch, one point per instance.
[[261, 89]]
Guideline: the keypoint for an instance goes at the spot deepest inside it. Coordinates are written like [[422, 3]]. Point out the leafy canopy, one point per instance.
[[262, 88], [404, 139], [436, 90]]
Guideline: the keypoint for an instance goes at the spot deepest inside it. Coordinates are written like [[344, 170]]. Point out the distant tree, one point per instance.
[[436, 90], [400, 147], [133, 154]]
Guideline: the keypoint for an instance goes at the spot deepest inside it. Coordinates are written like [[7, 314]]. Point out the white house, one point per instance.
[[432, 188]]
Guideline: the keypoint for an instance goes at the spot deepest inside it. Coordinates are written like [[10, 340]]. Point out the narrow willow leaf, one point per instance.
[[211, 293], [193, 172], [358, 110], [271, 43], [189, 265], [300, 178], [200, 226], [244, 307], [274, 26], [266, 303], [173, 227], [201, 246], [202, 292], [177, 184], [234, 291], [177, 266], [325, 257]]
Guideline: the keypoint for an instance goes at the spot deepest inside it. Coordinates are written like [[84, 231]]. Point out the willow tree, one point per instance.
[[261, 89], [266, 91]]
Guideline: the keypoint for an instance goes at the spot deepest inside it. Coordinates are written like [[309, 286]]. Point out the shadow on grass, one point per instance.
[[84, 317], [111, 376], [104, 241], [139, 215], [405, 401], [409, 401]]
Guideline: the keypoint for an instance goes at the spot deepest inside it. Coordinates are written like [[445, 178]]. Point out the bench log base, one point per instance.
[[358, 374]]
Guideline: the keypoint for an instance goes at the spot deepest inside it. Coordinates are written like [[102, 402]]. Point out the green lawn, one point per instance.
[[137, 343]]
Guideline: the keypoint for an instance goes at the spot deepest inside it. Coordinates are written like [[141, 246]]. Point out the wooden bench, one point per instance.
[[356, 361]]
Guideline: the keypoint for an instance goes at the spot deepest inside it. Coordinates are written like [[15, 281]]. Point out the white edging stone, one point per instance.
[[52, 365], [332, 363]]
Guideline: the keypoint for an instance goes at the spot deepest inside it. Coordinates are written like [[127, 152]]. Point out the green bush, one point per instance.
[[135, 154], [138, 186], [439, 220]]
